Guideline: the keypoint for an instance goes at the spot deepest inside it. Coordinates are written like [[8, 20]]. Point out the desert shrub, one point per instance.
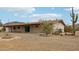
[[68, 29], [3, 29], [47, 27]]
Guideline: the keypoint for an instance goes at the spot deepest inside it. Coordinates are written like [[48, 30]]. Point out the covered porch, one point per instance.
[[15, 29]]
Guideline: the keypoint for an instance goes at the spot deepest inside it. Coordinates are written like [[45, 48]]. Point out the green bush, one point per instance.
[[47, 27]]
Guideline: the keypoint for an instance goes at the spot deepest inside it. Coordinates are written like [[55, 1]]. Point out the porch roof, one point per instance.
[[14, 24]]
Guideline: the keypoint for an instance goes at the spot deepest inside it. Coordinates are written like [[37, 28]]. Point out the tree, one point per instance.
[[47, 27], [74, 17], [0, 23]]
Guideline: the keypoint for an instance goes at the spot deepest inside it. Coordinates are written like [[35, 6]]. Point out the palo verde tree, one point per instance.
[[47, 27], [74, 17]]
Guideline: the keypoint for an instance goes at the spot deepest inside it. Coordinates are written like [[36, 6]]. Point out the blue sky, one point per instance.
[[34, 14]]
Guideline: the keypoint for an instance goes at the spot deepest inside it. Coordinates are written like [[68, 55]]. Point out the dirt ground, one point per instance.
[[35, 42]]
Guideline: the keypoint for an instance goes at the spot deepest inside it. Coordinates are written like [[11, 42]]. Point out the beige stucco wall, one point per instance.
[[55, 26], [34, 29], [58, 26], [10, 29], [7, 29]]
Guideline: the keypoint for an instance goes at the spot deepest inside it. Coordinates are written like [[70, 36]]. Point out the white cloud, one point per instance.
[[23, 16], [20, 16], [21, 12], [22, 9], [47, 16], [67, 9], [76, 9]]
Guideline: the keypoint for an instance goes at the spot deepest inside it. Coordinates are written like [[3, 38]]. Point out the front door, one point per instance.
[[27, 28]]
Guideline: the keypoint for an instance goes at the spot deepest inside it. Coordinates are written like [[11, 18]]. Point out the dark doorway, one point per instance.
[[27, 28]]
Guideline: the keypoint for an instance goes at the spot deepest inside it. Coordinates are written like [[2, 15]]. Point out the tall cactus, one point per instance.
[[74, 17]]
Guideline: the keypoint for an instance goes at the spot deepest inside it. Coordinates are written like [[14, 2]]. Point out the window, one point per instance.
[[14, 28], [36, 25], [18, 27]]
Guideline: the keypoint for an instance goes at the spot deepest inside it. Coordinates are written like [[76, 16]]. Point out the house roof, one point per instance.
[[60, 21], [32, 23], [50, 21], [14, 23]]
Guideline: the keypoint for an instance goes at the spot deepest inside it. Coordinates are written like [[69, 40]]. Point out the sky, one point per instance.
[[34, 14]]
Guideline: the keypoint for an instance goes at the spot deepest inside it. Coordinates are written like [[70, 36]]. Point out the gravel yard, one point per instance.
[[35, 42]]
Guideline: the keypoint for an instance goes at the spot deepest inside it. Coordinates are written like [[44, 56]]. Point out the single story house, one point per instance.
[[33, 26]]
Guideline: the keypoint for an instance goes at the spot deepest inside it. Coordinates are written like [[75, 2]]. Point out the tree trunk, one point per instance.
[[73, 28]]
